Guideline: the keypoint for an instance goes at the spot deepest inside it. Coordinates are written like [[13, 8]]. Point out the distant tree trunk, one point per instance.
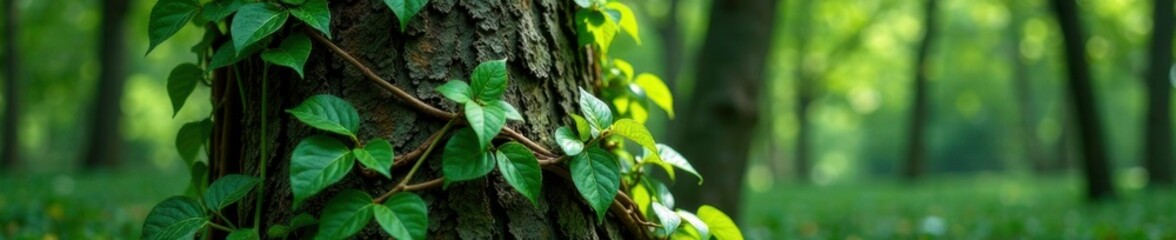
[[721, 115], [12, 85], [105, 145], [671, 35], [804, 92], [916, 146], [445, 41], [1096, 167], [1158, 142], [1023, 91]]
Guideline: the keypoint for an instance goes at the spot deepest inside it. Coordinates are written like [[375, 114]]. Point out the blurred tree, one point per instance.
[[1158, 129], [916, 147], [105, 145], [1096, 167], [671, 37], [1023, 89], [718, 121], [12, 85]]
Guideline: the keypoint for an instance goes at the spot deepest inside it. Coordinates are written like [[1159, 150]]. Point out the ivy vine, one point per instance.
[[594, 157]]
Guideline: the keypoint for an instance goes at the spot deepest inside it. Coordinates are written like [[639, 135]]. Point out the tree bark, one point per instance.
[[916, 147], [105, 145], [1096, 168], [445, 41], [12, 86], [1158, 130], [718, 122]]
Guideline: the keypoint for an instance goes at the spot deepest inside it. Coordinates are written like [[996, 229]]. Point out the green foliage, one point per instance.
[[218, 10], [376, 155], [596, 112], [405, 9], [226, 54], [344, 215], [315, 14], [177, 217], [328, 113], [227, 190], [455, 90], [244, 234], [627, 20], [719, 223], [292, 52], [597, 177], [668, 218], [509, 111], [255, 21], [317, 162], [488, 81], [464, 158], [583, 128], [280, 231], [180, 84], [403, 216], [695, 227], [520, 169], [636, 132], [673, 158], [167, 18], [568, 141], [486, 121], [191, 137], [655, 90]]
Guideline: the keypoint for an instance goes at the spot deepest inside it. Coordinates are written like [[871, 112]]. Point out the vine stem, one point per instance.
[[227, 221], [264, 151], [403, 182], [221, 227]]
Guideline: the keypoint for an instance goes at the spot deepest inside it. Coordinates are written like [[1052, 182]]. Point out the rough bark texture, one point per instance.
[[719, 119], [12, 85], [916, 156], [1096, 168], [1158, 130], [444, 41], [105, 145]]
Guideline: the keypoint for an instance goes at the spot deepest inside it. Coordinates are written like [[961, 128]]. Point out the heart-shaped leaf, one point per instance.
[[255, 21], [292, 52], [464, 158], [345, 214], [317, 162], [568, 141], [595, 111], [167, 18], [315, 14], [520, 169], [376, 155], [489, 80], [405, 9], [655, 90], [597, 177], [191, 137], [180, 84], [404, 216], [719, 223], [228, 189], [329, 113], [485, 121], [178, 217]]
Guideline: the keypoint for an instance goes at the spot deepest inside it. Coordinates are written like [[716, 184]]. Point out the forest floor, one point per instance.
[[975, 207], [113, 204]]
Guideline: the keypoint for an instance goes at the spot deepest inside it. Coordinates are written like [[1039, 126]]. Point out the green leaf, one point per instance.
[[657, 92], [628, 20], [329, 113], [404, 216], [583, 128], [661, 192], [699, 226], [255, 21], [317, 162], [198, 178], [218, 10], [292, 53], [669, 156], [508, 110], [294, 2], [455, 90], [226, 55], [191, 136], [405, 9], [464, 158], [177, 217], [228, 189], [244, 234], [486, 121], [624, 67], [520, 168], [180, 84], [595, 111], [719, 223], [488, 81], [167, 18], [345, 214], [568, 142], [376, 155], [641, 197], [584, 3], [315, 14], [210, 33], [668, 218], [597, 177], [280, 231], [635, 131]]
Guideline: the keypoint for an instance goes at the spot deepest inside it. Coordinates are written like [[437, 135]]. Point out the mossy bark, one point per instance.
[[444, 41]]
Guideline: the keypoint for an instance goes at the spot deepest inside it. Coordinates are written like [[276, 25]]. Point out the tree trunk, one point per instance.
[[718, 122], [916, 147], [804, 93], [1158, 130], [105, 145], [12, 85], [445, 41], [671, 35], [1096, 167], [1023, 91]]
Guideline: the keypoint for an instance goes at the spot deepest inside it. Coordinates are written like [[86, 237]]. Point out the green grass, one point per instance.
[[99, 205], [987, 207]]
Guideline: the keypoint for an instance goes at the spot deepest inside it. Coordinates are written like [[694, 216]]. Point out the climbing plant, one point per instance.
[[607, 176]]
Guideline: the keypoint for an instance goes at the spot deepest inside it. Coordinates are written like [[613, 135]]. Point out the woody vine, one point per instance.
[[591, 152]]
